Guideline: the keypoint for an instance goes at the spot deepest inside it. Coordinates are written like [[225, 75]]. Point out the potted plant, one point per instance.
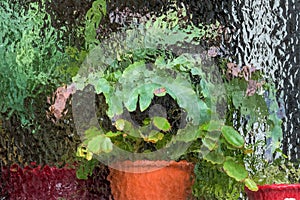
[[150, 130], [276, 179], [130, 73], [132, 77], [251, 108]]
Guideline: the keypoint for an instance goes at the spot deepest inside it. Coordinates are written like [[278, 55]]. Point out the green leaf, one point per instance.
[[134, 71], [160, 62], [232, 136], [250, 184], [132, 100], [161, 123], [177, 86], [126, 127], [86, 169], [100, 144], [188, 134], [213, 125], [238, 98], [209, 143], [146, 121], [153, 137], [93, 18], [184, 61], [254, 107], [205, 88], [274, 135], [111, 134], [196, 71], [213, 135], [181, 90], [92, 132], [146, 95], [115, 106], [145, 101], [235, 170], [214, 157], [120, 124], [100, 85]]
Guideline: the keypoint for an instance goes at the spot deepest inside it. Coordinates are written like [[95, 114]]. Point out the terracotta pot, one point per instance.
[[150, 180], [275, 192]]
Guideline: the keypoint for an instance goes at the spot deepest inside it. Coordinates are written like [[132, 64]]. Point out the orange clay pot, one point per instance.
[[148, 180]]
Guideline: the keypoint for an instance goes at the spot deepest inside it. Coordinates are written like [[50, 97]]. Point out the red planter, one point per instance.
[[145, 182], [49, 183], [275, 192]]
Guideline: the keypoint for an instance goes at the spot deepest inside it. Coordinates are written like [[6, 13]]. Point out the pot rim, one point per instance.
[[283, 186], [143, 166]]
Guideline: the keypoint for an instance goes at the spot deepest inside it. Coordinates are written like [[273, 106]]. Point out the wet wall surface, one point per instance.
[[266, 34]]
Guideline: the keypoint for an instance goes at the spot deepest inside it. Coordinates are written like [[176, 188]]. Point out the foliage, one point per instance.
[[251, 98], [70, 66], [247, 107], [97, 142], [278, 171], [85, 168], [76, 55], [213, 183], [143, 88], [92, 21], [29, 55], [223, 148], [133, 83], [151, 60]]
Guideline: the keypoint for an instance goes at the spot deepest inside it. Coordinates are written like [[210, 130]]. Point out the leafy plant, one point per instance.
[[212, 183], [70, 66], [254, 100], [93, 18], [29, 56], [132, 83], [278, 171], [75, 55], [145, 62], [249, 108]]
